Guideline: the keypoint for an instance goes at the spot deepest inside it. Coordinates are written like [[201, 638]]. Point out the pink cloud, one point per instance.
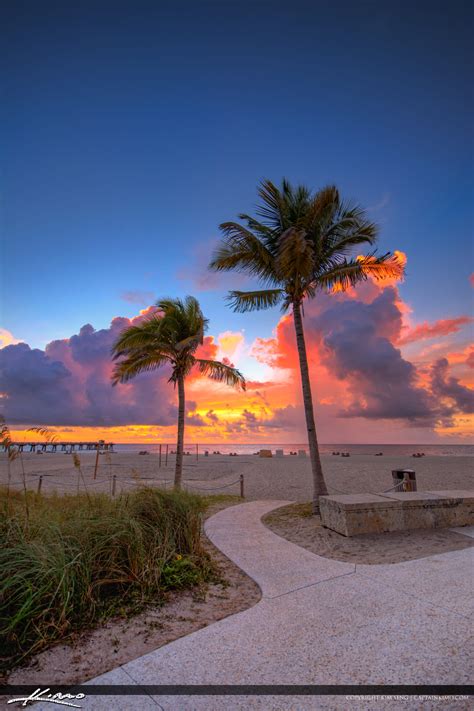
[[426, 330]]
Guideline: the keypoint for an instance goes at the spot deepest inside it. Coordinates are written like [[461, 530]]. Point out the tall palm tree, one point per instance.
[[171, 336], [300, 243]]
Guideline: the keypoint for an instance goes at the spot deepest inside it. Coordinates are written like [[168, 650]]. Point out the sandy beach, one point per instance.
[[276, 478]]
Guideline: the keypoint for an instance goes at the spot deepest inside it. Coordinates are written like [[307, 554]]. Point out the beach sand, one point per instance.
[[286, 478]]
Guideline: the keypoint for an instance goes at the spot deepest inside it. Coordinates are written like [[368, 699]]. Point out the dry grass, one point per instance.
[[70, 561]]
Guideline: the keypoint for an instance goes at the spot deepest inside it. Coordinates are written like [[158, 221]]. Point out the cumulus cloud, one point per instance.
[[230, 345], [356, 346], [69, 384], [446, 386], [195, 420], [361, 379], [357, 369], [7, 338], [32, 385]]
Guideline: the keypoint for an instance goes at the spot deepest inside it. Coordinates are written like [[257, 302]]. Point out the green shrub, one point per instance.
[[74, 560]]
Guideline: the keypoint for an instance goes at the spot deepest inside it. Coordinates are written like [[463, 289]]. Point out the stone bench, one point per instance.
[[353, 514]]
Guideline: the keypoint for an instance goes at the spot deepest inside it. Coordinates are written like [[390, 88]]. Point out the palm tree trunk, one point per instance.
[[178, 472], [319, 485]]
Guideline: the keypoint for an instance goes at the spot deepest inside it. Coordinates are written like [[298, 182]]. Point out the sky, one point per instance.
[[130, 131]]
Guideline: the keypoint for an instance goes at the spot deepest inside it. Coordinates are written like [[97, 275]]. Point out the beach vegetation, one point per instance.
[[70, 562]]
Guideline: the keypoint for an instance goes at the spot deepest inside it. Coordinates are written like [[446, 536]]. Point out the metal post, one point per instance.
[[96, 462], [114, 483], [241, 478], [40, 482], [166, 458], [159, 459]]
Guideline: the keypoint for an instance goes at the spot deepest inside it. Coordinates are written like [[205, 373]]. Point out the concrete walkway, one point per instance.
[[319, 621]]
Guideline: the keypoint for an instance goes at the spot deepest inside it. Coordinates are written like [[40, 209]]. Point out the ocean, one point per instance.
[[432, 450]]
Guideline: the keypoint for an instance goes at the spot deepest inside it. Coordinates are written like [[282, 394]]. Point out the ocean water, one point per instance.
[[432, 450]]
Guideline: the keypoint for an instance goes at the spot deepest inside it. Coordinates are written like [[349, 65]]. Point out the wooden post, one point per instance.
[[96, 462], [114, 483], [241, 478], [197, 452], [166, 458], [40, 482], [159, 458]]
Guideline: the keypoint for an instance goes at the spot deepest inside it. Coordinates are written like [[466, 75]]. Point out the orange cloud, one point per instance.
[[230, 345], [7, 338], [426, 330], [360, 380]]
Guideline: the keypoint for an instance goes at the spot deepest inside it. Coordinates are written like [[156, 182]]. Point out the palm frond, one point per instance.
[[349, 228], [345, 273], [243, 301], [273, 208], [145, 335], [137, 362], [243, 251], [172, 339], [295, 257], [221, 372], [386, 266], [45, 432]]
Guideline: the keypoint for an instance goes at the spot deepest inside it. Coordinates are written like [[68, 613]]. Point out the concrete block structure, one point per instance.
[[355, 514]]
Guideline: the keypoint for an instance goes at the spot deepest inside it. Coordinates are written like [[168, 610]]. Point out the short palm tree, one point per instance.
[[300, 243], [171, 336]]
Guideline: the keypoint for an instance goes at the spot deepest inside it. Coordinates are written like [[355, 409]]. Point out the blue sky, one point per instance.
[[132, 129]]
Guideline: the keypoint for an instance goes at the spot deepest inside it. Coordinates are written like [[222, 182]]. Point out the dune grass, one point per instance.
[[68, 562]]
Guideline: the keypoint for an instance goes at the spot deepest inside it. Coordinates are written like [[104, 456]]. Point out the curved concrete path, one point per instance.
[[319, 621]]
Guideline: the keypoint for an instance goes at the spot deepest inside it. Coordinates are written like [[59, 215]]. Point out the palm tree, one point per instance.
[[300, 243], [171, 336]]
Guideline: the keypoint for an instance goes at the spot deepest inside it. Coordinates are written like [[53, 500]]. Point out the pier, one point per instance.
[[66, 447]]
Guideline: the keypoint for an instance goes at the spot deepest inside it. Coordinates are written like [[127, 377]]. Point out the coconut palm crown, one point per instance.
[[170, 337], [300, 243]]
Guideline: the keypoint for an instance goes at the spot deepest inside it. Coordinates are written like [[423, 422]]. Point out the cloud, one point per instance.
[[364, 387], [7, 338], [37, 384], [357, 370], [426, 330], [356, 342], [230, 345], [195, 420], [470, 358], [138, 297], [69, 383], [445, 386]]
